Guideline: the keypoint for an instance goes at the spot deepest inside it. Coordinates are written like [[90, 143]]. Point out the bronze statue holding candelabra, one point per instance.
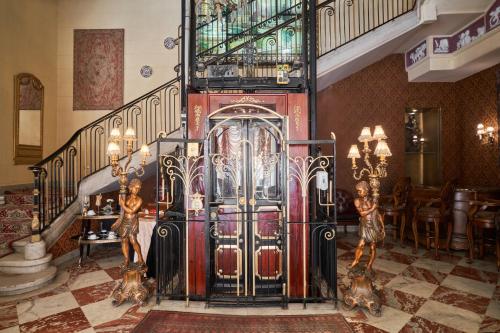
[[131, 287], [371, 229]]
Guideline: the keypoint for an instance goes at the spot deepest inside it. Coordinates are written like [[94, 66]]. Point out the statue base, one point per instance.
[[362, 292], [131, 287]]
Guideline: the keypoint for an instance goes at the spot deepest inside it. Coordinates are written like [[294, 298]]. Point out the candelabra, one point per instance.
[[114, 153], [132, 286], [374, 173]]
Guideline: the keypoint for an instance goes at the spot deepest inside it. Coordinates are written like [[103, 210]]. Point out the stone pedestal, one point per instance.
[[34, 251]]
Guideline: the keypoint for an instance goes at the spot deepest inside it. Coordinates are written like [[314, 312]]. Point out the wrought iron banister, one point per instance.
[[57, 176], [342, 21]]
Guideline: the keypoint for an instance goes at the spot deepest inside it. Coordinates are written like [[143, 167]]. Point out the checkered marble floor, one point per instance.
[[419, 295]]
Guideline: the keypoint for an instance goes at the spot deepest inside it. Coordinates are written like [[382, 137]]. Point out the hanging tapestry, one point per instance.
[[98, 69]]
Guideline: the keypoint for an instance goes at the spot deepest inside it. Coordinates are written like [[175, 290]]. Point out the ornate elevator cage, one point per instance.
[[249, 196], [257, 216]]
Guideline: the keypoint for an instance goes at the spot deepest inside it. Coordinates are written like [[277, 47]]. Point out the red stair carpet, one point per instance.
[[15, 218]]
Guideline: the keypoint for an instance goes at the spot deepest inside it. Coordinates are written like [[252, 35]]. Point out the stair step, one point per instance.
[[13, 284], [19, 245], [16, 264]]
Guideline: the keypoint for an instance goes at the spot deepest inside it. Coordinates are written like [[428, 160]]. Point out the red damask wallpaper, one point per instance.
[[98, 69], [379, 94]]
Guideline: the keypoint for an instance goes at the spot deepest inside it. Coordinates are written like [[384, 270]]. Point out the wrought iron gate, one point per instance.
[[232, 233]]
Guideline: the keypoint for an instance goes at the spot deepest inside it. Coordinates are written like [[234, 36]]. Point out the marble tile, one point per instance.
[[8, 315], [461, 299], [89, 279], [475, 274], [94, 294], [389, 266], [483, 265], [109, 262], [365, 328], [408, 250], [423, 274], [354, 315], [96, 316], [419, 324], [124, 324], [382, 278], [493, 309], [469, 286], [31, 310], [488, 325], [451, 316], [444, 257], [392, 320], [434, 265], [13, 329], [398, 257], [68, 322], [347, 256], [402, 301], [87, 267], [412, 286], [87, 330], [114, 272]]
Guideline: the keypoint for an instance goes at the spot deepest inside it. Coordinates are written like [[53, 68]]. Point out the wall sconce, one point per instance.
[[486, 136]]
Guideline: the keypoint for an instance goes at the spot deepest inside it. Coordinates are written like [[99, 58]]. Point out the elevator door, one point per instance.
[[246, 220]]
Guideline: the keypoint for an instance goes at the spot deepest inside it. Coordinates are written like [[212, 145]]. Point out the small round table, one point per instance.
[[83, 240]]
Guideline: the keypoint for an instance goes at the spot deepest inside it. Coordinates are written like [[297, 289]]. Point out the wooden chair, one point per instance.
[[396, 205], [483, 215], [433, 212]]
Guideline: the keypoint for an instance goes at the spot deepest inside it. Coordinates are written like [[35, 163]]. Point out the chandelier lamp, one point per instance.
[[373, 171], [114, 154]]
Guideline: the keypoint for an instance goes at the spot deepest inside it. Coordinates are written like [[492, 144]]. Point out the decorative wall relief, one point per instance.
[[98, 69], [493, 16], [469, 34], [197, 116], [441, 45], [169, 43], [416, 54], [146, 71], [297, 114]]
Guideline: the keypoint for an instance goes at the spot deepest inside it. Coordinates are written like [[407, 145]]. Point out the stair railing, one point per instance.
[[342, 21], [57, 177]]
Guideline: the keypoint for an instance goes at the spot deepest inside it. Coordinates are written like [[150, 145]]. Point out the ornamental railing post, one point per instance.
[[36, 226]]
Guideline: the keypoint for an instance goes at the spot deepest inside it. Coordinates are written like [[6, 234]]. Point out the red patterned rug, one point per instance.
[[188, 322]]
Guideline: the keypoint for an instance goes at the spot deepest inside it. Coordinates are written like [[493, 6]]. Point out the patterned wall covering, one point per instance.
[[477, 103], [98, 69], [379, 94]]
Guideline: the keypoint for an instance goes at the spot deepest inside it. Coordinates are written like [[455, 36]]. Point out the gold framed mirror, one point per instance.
[[28, 119]]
